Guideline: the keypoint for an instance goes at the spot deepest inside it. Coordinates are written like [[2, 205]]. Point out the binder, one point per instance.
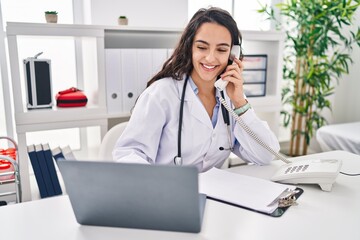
[[57, 154], [37, 171], [67, 153], [149, 63], [159, 56], [259, 195], [127, 73], [44, 170], [52, 169], [128, 78], [113, 80], [144, 69]]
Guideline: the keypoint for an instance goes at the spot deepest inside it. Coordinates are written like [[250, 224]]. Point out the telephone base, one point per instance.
[[322, 172], [326, 187]]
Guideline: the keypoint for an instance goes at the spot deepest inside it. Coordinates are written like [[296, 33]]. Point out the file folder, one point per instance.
[[113, 80], [37, 171], [128, 79], [127, 73]]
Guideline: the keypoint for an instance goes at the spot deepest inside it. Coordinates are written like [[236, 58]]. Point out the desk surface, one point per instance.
[[319, 215]]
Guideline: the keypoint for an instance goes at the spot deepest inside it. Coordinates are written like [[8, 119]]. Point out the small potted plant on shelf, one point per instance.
[[51, 16], [122, 20]]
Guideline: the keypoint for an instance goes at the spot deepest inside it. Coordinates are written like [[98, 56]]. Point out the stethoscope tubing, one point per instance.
[[226, 117]]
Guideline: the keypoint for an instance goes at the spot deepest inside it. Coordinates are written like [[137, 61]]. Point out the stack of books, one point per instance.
[[43, 160]]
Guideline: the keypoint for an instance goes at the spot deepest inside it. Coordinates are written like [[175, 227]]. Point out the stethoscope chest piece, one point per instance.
[[178, 161]]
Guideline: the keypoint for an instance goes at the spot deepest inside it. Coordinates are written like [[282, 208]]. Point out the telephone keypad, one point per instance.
[[305, 167], [300, 168]]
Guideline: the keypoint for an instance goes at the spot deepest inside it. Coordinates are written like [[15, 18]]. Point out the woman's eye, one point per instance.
[[222, 50], [201, 48]]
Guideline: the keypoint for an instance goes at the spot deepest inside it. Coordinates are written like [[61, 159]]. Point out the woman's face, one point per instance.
[[210, 52]]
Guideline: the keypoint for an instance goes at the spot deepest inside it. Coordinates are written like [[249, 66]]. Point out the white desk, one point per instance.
[[320, 215]]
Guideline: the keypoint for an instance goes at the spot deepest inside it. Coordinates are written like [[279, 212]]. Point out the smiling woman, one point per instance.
[[169, 111]]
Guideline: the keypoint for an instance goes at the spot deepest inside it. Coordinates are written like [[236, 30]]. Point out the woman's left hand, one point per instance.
[[235, 90]]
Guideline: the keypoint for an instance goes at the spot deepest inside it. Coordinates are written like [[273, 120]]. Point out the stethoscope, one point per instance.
[[178, 159]]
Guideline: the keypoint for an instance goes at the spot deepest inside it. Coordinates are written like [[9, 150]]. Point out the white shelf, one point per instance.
[[45, 29], [38, 116]]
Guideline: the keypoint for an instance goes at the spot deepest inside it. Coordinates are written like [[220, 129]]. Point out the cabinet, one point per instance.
[[102, 106], [78, 37], [254, 74]]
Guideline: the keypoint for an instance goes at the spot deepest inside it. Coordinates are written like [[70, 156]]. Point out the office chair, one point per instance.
[[109, 141]]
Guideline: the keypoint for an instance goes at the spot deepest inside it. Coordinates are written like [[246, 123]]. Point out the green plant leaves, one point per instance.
[[317, 54]]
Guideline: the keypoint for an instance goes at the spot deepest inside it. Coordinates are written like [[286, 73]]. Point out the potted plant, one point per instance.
[[317, 53], [122, 20], [51, 16]]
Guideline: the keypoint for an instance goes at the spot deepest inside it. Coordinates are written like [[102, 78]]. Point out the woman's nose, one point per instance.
[[210, 56]]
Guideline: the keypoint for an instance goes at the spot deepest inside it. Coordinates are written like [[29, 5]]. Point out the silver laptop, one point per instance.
[[142, 196]]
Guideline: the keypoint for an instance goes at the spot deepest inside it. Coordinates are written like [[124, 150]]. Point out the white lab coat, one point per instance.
[[152, 133]]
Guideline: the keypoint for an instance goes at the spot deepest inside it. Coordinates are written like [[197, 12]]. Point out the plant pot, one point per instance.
[[123, 21], [51, 18]]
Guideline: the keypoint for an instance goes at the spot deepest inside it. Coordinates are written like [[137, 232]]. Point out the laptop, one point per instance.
[[158, 197]]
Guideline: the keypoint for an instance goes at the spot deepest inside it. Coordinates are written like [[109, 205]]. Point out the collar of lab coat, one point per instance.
[[194, 104]]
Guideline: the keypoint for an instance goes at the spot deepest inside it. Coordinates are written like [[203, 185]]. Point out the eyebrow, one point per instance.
[[220, 44]]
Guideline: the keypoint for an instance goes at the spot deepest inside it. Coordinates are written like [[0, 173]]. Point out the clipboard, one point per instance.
[[255, 194], [278, 212]]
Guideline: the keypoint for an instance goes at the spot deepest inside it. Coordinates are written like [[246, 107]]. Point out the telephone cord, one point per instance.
[[250, 132]]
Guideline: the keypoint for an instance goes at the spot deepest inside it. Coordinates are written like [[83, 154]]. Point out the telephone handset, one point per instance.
[[235, 52], [321, 172]]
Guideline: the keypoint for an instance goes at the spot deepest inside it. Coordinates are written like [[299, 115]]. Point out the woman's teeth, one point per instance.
[[208, 67]]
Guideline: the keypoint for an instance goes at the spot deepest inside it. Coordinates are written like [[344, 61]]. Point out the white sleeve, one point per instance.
[[247, 148], [139, 142]]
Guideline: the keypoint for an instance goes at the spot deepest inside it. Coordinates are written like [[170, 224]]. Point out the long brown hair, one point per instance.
[[180, 62]]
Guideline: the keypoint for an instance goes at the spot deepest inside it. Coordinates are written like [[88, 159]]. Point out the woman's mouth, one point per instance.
[[208, 67]]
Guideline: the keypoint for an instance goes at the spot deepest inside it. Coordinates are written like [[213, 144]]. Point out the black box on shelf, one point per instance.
[[255, 71], [38, 82]]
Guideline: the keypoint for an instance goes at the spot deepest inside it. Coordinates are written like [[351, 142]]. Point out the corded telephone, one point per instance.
[[321, 172]]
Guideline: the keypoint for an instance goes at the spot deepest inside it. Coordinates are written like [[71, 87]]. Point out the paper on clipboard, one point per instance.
[[249, 192]]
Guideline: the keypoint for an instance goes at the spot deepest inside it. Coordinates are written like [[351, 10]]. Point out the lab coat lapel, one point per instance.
[[194, 104]]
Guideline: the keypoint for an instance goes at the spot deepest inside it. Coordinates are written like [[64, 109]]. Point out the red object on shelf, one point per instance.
[[71, 97], [5, 165]]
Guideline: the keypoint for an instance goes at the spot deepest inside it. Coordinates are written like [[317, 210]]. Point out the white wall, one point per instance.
[[154, 13], [346, 106]]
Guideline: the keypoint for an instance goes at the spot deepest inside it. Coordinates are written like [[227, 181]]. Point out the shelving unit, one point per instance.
[[254, 75], [54, 118], [12, 176], [267, 107]]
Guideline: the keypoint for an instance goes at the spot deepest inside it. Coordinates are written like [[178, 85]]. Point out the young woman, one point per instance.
[[178, 119]]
